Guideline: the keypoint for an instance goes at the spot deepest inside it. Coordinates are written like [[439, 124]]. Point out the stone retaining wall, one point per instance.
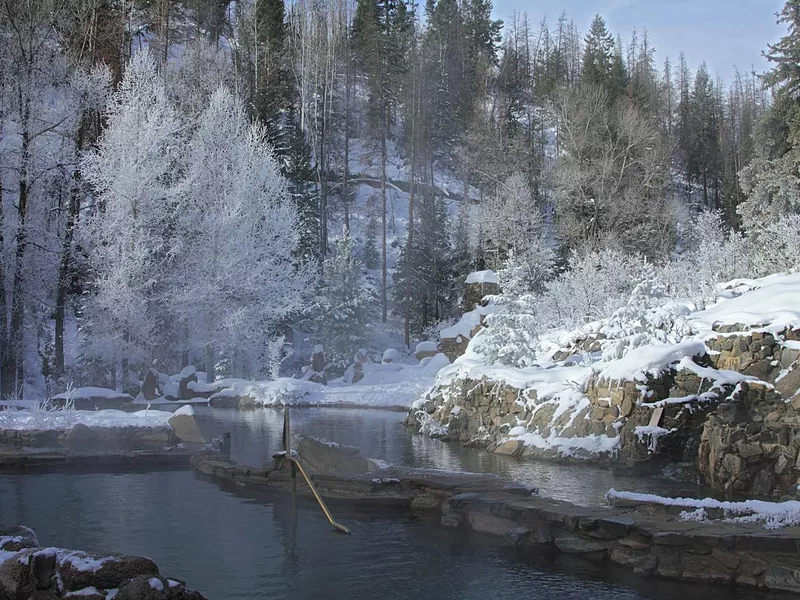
[[742, 438], [481, 413], [652, 543], [82, 437]]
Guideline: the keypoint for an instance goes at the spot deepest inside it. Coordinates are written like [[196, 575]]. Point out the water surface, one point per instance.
[[232, 547]]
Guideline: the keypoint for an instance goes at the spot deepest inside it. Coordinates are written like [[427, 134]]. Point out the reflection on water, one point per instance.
[[231, 547], [381, 434]]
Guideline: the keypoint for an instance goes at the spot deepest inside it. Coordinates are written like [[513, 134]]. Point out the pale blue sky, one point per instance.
[[724, 33]]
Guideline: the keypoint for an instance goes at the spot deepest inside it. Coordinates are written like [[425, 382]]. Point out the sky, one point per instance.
[[723, 33]]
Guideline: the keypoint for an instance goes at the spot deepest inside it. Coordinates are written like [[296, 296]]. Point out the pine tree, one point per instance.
[[598, 55], [345, 305], [771, 181], [371, 257]]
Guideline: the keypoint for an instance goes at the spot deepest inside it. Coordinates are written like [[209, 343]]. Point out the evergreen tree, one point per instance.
[[371, 257], [295, 162], [771, 180], [598, 56], [422, 289], [703, 156], [345, 305]]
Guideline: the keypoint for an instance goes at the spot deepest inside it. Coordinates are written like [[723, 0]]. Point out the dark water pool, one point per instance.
[[231, 547], [381, 434]]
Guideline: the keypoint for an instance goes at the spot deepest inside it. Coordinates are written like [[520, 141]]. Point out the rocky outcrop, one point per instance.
[[615, 415], [29, 571], [752, 443], [734, 412]]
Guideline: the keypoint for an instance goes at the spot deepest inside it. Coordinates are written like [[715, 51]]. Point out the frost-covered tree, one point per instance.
[[133, 174], [512, 223], [236, 232], [346, 305], [512, 333]]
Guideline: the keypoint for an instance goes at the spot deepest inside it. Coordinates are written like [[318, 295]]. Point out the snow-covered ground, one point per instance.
[[393, 385]]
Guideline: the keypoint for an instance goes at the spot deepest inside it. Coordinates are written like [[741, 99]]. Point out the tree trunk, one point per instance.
[[345, 182], [210, 361], [384, 306], [64, 269], [16, 334], [5, 375]]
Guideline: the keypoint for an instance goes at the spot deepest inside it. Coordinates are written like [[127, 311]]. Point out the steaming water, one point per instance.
[[230, 547]]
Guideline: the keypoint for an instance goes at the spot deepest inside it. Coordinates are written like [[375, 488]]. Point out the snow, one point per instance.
[[772, 515], [391, 355], [652, 434], [426, 347], [482, 277], [79, 560], [156, 584], [91, 392], [467, 324], [772, 303], [66, 419], [186, 409], [649, 360], [87, 591]]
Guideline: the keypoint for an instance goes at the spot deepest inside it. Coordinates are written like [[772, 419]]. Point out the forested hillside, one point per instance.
[[217, 182]]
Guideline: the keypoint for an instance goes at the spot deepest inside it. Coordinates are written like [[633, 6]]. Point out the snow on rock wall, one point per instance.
[[724, 405]]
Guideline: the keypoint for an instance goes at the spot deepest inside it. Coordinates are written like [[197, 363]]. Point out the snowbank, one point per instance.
[[772, 515], [66, 419], [771, 303], [91, 392], [466, 324], [649, 360]]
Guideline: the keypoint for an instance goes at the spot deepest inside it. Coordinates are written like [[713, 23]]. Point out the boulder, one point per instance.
[[16, 582], [318, 359], [323, 456], [143, 587], [510, 448], [79, 570], [83, 437], [185, 426], [43, 568], [187, 375], [14, 539], [425, 350], [789, 386], [150, 385]]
